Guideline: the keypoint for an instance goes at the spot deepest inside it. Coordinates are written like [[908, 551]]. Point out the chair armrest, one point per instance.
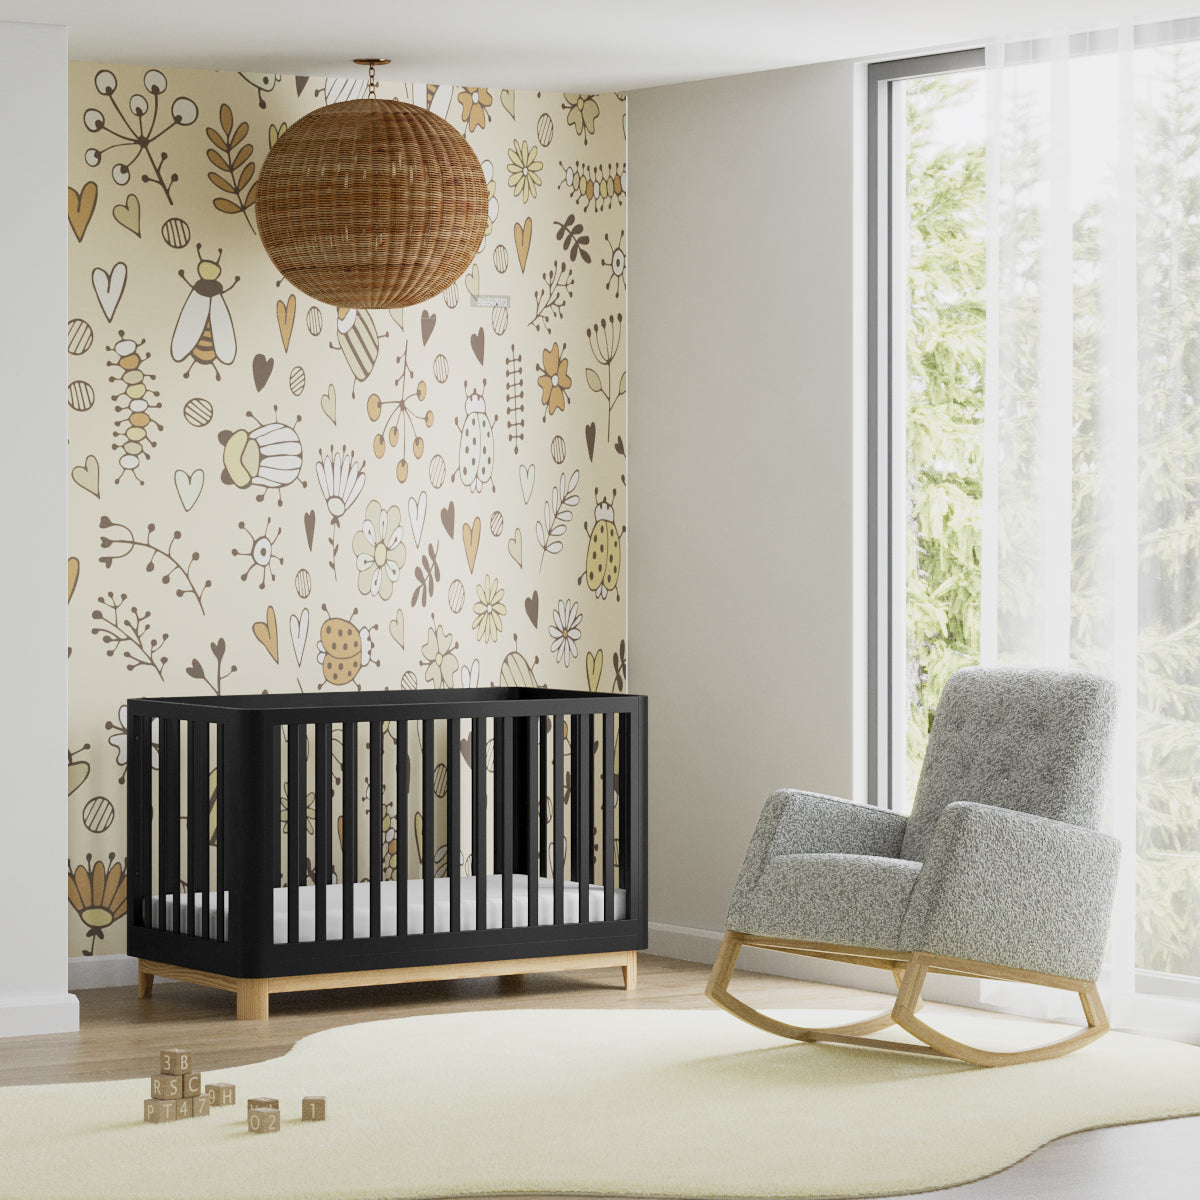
[[1014, 890], [794, 822]]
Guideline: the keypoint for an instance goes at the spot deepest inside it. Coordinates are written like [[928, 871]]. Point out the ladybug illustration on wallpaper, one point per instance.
[[204, 331], [603, 550], [344, 649], [266, 456], [477, 443], [358, 340]]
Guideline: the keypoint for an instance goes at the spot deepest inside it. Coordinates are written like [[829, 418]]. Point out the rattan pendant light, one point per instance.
[[371, 203]]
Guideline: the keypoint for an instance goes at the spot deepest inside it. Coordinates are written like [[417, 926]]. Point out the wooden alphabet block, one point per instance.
[[183, 1109], [166, 1087], [191, 1084], [158, 1111], [176, 1062], [220, 1093], [312, 1108], [261, 1102], [200, 1106], [263, 1120]]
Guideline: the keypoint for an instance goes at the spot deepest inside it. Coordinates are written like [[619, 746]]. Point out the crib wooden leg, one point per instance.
[[253, 1000], [629, 972], [145, 982]]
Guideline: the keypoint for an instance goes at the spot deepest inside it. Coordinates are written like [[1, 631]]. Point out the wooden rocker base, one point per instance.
[[254, 995], [910, 970]]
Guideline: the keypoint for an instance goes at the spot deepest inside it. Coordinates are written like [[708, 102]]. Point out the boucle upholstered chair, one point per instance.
[[999, 873]]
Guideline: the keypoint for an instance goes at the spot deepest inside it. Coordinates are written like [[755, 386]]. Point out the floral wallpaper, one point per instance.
[[270, 494]]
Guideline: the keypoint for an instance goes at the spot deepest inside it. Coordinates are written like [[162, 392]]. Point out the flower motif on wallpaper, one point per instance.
[[582, 112], [341, 477], [475, 104], [98, 893], [119, 740], [565, 631], [379, 551], [438, 659], [524, 171], [489, 610], [555, 381]]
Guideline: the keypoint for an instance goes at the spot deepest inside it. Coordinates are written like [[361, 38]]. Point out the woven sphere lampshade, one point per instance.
[[371, 204]]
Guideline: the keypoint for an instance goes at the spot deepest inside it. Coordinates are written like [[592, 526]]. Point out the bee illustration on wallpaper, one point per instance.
[[603, 550], [343, 650], [267, 456], [477, 443], [132, 427], [204, 331], [358, 340]]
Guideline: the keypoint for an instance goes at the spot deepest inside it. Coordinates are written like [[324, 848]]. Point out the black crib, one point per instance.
[[269, 837]]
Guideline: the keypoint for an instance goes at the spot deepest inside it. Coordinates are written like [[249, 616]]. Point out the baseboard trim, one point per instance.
[[700, 945], [101, 970], [33, 1015]]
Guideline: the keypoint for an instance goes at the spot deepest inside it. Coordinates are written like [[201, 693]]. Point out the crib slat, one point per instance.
[[222, 932], [543, 735], [621, 850], [191, 829], [453, 825], [375, 833], [560, 857], [200, 861], [401, 828], [609, 828], [140, 827], [502, 802], [297, 777], [479, 817], [274, 808], [534, 779], [168, 830], [581, 804], [428, 820], [349, 824], [323, 771]]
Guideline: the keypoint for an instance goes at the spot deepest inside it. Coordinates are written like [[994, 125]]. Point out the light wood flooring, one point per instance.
[[119, 1034]]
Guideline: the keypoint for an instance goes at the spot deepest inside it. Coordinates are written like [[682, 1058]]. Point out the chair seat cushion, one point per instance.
[[842, 899]]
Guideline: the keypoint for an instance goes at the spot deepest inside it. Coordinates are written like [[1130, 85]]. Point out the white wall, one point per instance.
[[33, 602], [747, 420]]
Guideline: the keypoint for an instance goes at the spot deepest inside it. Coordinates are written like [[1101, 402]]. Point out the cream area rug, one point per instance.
[[688, 1104]]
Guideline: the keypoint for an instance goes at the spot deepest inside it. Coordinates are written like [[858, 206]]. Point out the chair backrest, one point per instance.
[[1032, 740]]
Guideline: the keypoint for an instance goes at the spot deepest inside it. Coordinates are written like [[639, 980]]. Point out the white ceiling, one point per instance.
[[560, 45]]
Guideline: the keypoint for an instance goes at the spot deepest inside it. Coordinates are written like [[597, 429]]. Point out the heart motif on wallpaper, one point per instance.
[[263, 366], [396, 628], [428, 321], [531, 608], [299, 630], [527, 474], [88, 475], [595, 666], [189, 487], [310, 525], [285, 314], [515, 547], [329, 404], [589, 436], [80, 206], [267, 632], [109, 287], [129, 215], [522, 236], [471, 542], [509, 99], [477, 344], [416, 518], [471, 280], [448, 518], [72, 576]]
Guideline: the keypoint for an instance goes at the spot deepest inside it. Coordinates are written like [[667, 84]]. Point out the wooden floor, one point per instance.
[[119, 1034]]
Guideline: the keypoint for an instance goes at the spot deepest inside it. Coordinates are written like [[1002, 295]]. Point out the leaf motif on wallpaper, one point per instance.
[[550, 300], [604, 341], [557, 514], [233, 178], [196, 670], [123, 541], [428, 573], [574, 240], [129, 633], [129, 214], [109, 287], [80, 207]]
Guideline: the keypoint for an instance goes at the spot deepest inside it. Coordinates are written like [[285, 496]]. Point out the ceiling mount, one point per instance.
[[372, 63]]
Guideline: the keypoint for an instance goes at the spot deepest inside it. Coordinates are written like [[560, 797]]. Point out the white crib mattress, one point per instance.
[[493, 916]]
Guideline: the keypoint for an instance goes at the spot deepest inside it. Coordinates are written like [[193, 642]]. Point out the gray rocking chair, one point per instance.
[[999, 873]]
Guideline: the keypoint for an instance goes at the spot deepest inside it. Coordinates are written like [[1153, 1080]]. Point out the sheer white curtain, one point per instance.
[[1091, 552]]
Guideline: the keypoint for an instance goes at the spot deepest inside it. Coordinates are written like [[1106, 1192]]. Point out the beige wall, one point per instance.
[[746, 520]]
